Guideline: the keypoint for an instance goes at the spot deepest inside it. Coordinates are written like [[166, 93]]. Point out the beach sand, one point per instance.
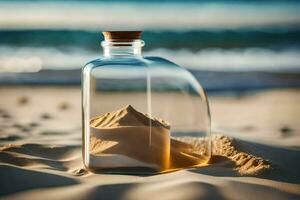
[[256, 152]]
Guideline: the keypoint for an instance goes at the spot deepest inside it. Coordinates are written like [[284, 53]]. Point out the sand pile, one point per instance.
[[128, 138], [245, 164]]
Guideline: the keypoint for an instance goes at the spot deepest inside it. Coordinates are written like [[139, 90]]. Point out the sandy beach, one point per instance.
[[256, 152]]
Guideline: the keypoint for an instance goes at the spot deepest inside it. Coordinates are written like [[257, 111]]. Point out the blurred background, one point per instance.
[[235, 45]]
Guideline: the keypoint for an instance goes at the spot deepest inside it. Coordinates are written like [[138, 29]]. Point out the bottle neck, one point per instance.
[[122, 48]]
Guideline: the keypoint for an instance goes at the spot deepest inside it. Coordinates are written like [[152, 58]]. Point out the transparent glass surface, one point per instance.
[[142, 114]]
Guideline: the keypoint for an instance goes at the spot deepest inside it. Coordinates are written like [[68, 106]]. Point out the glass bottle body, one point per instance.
[[142, 114]]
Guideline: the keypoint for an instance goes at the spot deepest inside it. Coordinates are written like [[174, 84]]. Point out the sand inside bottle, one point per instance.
[[128, 139]]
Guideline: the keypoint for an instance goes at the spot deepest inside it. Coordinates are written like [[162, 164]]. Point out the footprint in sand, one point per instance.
[[33, 124], [286, 131], [63, 105], [6, 116], [26, 129], [22, 100], [46, 116]]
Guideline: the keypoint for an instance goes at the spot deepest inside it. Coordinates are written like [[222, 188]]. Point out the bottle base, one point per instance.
[[140, 171]]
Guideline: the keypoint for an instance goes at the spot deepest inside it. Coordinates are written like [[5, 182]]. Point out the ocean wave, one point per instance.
[[147, 16], [193, 40], [32, 59]]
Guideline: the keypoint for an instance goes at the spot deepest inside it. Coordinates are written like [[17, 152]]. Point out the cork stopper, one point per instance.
[[122, 36]]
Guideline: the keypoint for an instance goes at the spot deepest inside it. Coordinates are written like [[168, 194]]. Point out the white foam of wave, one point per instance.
[[91, 15], [250, 59], [29, 59]]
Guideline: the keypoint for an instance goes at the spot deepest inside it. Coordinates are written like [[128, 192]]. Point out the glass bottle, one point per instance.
[[141, 114]]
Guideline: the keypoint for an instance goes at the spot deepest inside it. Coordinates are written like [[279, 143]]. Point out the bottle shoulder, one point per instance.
[[160, 61], [115, 61], [148, 61]]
